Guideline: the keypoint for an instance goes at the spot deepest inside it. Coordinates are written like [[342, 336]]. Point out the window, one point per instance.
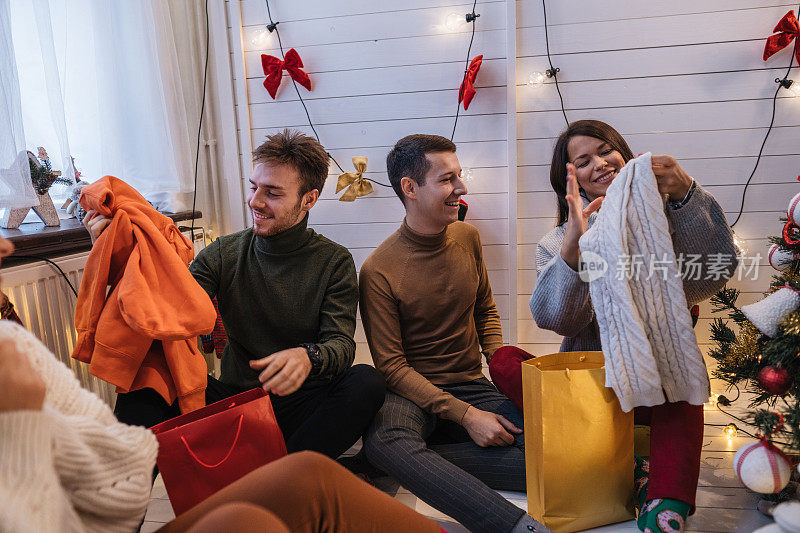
[[101, 81]]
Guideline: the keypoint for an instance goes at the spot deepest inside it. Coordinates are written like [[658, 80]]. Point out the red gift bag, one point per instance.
[[205, 450]]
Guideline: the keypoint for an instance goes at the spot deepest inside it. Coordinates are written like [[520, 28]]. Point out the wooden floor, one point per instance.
[[723, 505]]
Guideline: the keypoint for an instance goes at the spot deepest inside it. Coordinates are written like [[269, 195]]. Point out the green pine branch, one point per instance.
[[43, 177], [725, 301]]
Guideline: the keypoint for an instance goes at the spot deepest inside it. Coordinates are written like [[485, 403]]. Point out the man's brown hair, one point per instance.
[[302, 152], [407, 159]]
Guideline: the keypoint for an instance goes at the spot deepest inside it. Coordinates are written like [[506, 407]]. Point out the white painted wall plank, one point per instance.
[[255, 11], [565, 12], [421, 104], [717, 115], [382, 53], [654, 31], [662, 90], [350, 135], [667, 61], [398, 24]]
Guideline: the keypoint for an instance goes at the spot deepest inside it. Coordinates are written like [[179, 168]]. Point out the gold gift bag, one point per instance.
[[578, 443]]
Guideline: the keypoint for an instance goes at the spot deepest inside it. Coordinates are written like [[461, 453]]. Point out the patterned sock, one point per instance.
[[663, 515], [641, 475]]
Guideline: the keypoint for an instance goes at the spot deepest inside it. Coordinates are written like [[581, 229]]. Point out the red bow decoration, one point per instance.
[[467, 90], [786, 30], [765, 438], [273, 69]]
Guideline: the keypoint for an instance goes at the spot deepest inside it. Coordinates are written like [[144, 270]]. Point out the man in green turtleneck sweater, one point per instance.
[[444, 431], [287, 297]]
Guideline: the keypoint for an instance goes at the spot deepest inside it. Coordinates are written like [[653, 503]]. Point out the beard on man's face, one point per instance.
[[278, 224]]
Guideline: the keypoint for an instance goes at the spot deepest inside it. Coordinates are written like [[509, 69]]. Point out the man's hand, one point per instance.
[[489, 429], [283, 372], [21, 387], [95, 223]]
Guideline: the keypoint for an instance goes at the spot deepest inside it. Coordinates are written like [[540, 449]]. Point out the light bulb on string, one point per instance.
[[740, 245], [712, 402], [730, 431], [536, 79], [466, 174], [454, 21], [260, 39], [792, 87]]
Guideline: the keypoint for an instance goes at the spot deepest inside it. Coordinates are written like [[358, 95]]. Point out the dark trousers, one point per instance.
[[326, 417], [676, 431], [437, 460]]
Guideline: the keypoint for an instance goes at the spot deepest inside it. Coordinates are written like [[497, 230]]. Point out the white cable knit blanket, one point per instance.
[[646, 331]]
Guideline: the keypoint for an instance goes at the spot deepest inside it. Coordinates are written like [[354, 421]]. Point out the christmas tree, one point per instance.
[[757, 350]]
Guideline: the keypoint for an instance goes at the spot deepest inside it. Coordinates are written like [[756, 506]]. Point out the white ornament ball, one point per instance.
[[780, 259], [793, 212], [760, 469], [787, 516]]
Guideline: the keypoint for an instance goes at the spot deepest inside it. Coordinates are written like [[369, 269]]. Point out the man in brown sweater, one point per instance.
[[444, 431]]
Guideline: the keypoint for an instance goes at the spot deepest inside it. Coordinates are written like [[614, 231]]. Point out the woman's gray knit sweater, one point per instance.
[[561, 303]]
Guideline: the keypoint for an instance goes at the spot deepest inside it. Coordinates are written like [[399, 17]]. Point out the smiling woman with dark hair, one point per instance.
[[586, 159]]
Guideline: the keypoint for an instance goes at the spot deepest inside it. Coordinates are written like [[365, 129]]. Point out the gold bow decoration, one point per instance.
[[355, 182]]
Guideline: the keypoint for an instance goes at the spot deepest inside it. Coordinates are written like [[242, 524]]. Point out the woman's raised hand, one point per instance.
[[671, 178], [578, 219]]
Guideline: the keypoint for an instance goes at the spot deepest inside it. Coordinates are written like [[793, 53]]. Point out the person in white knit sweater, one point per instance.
[[67, 464], [588, 156]]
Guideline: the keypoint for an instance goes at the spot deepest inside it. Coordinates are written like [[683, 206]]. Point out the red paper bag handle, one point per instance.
[[235, 440]]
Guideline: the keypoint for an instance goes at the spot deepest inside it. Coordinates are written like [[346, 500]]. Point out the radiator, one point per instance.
[[46, 306]]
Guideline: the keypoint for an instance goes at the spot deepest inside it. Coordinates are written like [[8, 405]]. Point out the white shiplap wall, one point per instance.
[[674, 76]]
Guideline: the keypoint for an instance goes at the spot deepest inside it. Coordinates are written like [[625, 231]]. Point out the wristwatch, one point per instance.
[[314, 355]]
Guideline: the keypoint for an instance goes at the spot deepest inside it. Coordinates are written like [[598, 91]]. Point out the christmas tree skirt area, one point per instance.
[[723, 504]]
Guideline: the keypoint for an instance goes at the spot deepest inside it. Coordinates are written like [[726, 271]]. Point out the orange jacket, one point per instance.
[[142, 332]]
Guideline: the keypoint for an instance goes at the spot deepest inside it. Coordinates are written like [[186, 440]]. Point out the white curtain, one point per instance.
[[15, 179], [100, 82]]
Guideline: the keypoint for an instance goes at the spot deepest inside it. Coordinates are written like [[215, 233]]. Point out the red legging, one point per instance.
[[676, 431]]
